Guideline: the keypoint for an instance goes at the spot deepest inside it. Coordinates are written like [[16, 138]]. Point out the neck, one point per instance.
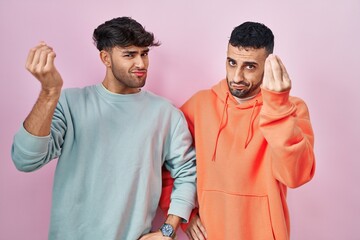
[[118, 89], [242, 100]]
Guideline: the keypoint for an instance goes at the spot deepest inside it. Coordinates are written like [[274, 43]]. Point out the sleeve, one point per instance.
[[30, 152], [285, 124], [167, 185], [180, 162], [188, 110]]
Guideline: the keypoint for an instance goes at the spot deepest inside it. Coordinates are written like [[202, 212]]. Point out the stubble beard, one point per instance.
[[129, 80], [244, 93]]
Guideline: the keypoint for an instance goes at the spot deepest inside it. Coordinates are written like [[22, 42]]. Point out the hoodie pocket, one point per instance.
[[234, 216]]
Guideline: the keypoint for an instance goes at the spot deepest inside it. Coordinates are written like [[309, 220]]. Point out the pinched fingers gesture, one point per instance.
[[196, 230], [276, 77], [40, 63]]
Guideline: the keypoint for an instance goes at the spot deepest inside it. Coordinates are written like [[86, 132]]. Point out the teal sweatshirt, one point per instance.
[[110, 149]]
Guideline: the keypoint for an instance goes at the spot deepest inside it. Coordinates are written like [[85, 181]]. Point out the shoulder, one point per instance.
[[157, 99], [203, 93], [71, 97], [161, 103], [200, 95], [78, 90], [199, 98], [71, 93]]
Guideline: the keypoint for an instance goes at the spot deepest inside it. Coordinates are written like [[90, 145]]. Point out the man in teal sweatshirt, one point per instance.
[[111, 140]]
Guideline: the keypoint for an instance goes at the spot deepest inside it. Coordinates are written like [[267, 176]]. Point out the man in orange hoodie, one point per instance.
[[252, 140]]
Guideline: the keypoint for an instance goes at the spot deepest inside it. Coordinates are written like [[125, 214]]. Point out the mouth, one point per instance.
[[139, 73], [239, 87]]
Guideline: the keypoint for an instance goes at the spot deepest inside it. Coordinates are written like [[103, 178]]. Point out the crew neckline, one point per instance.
[[117, 97]]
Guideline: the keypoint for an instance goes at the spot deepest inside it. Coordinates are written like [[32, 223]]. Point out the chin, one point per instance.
[[238, 94], [141, 85]]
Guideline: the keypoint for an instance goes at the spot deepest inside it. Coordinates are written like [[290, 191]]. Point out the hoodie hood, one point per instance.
[[221, 90]]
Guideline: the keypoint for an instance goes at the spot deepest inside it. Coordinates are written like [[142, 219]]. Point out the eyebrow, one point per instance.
[[244, 63], [250, 63], [134, 52]]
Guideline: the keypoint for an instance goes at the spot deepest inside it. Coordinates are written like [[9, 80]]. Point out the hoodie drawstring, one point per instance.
[[250, 128], [221, 126], [249, 135]]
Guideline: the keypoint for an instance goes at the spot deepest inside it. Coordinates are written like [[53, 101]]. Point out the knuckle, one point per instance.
[[31, 68], [33, 50]]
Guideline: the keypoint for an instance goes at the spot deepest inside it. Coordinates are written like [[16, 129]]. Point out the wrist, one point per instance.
[[169, 228], [50, 95], [174, 221]]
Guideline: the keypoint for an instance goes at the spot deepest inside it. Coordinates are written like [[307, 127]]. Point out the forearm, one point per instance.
[[182, 166], [287, 129], [38, 122], [174, 221], [294, 165]]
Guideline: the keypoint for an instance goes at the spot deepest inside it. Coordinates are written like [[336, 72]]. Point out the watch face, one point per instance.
[[167, 230]]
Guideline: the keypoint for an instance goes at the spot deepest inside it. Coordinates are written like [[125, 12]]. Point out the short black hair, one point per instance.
[[252, 35], [122, 32]]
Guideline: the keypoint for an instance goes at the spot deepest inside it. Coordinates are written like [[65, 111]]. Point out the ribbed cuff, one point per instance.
[[276, 103], [30, 144], [181, 209]]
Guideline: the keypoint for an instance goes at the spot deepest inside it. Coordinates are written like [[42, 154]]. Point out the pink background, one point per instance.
[[317, 40]]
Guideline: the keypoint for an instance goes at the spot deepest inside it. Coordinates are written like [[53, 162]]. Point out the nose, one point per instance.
[[239, 75], [139, 62]]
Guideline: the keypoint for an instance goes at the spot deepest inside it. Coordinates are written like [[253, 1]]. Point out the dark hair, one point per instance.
[[252, 35], [122, 32]]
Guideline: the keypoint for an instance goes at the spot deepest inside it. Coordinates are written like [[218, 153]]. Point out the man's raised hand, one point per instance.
[[40, 63], [276, 77]]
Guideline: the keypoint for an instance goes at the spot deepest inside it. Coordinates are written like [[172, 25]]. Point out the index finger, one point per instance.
[[32, 52], [202, 228], [276, 68], [268, 77]]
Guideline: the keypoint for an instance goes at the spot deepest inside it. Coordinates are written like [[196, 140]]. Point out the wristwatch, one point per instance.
[[167, 230]]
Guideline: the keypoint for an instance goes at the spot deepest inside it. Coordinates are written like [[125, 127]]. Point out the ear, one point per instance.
[[105, 58]]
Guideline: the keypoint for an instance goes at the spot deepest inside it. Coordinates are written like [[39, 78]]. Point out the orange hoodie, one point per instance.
[[247, 156]]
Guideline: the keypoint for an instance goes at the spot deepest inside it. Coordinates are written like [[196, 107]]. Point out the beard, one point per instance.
[[248, 91], [128, 79]]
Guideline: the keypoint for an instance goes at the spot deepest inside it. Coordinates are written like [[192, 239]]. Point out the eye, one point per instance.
[[250, 67], [232, 63], [145, 54], [129, 55]]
